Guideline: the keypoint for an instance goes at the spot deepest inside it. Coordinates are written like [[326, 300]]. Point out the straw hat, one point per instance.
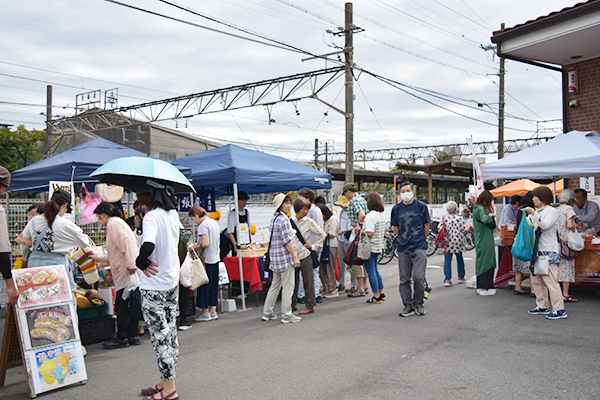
[[342, 201], [109, 193], [280, 198]]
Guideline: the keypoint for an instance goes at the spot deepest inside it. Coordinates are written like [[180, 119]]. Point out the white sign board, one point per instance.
[[587, 183]]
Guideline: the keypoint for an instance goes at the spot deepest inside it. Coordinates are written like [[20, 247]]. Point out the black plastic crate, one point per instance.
[[96, 330]]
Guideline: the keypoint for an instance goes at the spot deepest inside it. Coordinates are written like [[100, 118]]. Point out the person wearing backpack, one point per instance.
[[456, 242]]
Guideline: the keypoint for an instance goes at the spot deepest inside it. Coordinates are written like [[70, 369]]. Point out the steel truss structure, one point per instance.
[[264, 93], [411, 154]]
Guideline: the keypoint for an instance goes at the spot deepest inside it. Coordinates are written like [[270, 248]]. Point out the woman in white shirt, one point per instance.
[[375, 227], [52, 236], [327, 271], [209, 239], [547, 220], [159, 261]]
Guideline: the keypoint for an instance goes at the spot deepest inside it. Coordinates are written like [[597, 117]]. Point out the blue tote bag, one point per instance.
[[522, 248]]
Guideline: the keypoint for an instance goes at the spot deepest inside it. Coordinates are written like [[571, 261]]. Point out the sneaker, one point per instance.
[[202, 317], [447, 283], [134, 341], [184, 327], [419, 309], [557, 314], [539, 311], [341, 288], [214, 315], [407, 311], [115, 343], [351, 289], [291, 318], [302, 300], [332, 294], [268, 317], [488, 292], [491, 292], [460, 280], [319, 299]]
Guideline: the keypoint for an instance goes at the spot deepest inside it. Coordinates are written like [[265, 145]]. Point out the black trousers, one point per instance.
[[486, 280], [184, 304], [127, 321]]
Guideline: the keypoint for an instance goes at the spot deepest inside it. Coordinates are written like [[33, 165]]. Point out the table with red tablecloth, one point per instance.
[[252, 270]]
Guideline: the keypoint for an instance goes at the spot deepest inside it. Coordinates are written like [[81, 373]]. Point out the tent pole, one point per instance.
[[238, 247], [554, 181]]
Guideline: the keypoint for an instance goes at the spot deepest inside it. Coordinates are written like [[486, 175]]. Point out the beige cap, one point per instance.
[[342, 201]]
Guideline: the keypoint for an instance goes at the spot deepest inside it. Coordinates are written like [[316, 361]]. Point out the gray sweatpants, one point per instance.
[[412, 263]]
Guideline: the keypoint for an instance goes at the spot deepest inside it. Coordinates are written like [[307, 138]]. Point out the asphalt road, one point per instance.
[[465, 347]]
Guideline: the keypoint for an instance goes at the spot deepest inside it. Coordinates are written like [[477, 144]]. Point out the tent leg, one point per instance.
[[239, 254]]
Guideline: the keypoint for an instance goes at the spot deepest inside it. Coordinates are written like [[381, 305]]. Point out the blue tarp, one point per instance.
[[253, 171], [75, 164]]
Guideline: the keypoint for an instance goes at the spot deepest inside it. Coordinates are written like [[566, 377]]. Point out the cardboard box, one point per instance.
[[108, 294]]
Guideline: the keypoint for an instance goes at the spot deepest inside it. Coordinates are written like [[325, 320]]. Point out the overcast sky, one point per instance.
[[434, 46]]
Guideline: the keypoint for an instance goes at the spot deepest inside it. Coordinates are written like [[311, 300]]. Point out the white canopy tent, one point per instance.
[[568, 155]]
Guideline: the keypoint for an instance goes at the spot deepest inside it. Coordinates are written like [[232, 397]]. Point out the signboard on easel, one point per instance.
[[47, 331]]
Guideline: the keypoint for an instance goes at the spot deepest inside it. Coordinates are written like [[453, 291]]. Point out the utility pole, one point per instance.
[[48, 119], [349, 53], [501, 113], [317, 153]]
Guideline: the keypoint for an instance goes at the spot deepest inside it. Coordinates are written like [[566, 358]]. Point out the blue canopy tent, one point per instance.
[[75, 165], [231, 168], [252, 172]]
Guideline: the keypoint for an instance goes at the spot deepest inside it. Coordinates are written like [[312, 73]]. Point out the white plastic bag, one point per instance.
[[575, 241], [133, 284], [186, 274]]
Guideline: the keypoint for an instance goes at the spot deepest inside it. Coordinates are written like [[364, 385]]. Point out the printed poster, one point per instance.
[[47, 325], [56, 367], [42, 285]]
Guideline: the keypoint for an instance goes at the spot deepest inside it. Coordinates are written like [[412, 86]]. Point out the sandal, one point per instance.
[[374, 300], [168, 397], [356, 293], [569, 299], [382, 297], [149, 391]]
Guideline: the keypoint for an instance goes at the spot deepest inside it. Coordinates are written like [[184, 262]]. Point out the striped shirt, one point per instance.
[[281, 259], [375, 222]]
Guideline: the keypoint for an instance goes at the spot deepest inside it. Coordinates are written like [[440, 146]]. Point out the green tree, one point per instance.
[[19, 147]]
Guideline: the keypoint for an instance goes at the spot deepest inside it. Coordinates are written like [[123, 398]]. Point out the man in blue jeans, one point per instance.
[[410, 219]]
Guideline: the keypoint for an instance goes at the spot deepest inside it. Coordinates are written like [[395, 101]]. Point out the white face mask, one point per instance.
[[406, 196]]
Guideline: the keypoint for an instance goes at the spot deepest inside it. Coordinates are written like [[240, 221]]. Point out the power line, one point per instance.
[[82, 77], [202, 26]]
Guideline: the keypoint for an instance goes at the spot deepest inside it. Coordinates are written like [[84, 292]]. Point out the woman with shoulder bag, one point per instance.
[[327, 270], [547, 251], [375, 227], [566, 224], [209, 240], [456, 243]]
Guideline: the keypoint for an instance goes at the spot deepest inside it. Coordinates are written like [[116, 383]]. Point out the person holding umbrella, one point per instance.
[[159, 284]]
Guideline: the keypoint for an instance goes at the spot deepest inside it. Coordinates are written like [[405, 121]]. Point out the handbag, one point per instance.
[[267, 263], [567, 252], [363, 246], [350, 255], [541, 266], [439, 238], [83, 258], [326, 253], [522, 248], [313, 254], [88, 206], [193, 273]]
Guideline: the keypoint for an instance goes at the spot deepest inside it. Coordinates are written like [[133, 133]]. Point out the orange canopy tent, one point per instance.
[[522, 186]]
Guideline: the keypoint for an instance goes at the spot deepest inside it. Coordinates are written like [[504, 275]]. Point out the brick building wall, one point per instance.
[[586, 116]]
